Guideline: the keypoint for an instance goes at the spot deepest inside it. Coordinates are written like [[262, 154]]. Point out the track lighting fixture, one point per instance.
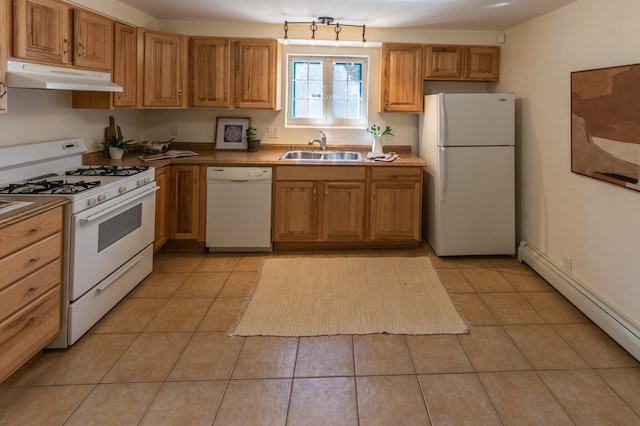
[[323, 20]]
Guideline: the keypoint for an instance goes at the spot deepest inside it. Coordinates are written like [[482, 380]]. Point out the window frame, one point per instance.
[[327, 63]]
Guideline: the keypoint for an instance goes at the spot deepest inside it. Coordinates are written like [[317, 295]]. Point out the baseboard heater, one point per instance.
[[615, 325]]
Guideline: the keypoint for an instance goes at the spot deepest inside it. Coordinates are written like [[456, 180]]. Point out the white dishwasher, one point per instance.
[[238, 209]]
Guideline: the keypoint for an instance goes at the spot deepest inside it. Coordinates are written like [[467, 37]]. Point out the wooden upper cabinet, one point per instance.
[[444, 62], [401, 77], [93, 40], [41, 31], [125, 57], [480, 63], [125, 68], [210, 72], [483, 63], [162, 78], [257, 70]]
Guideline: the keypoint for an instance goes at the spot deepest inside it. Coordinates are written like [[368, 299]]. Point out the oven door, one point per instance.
[[106, 236]]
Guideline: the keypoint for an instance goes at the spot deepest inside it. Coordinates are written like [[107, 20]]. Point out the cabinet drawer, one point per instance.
[[29, 330], [396, 173], [311, 172], [28, 289], [28, 231], [29, 259]]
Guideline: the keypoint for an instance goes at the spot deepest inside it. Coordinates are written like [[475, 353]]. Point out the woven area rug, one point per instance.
[[349, 295]]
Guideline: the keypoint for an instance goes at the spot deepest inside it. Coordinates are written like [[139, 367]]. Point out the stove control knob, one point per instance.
[[102, 197], [122, 189], [92, 201]]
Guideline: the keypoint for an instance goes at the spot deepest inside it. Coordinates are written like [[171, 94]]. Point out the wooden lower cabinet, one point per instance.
[[163, 175], [321, 204], [396, 204], [330, 206], [185, 203], [319, 211], [30, 288], [295, 211]]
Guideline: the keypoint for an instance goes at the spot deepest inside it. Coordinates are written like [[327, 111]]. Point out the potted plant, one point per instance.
[[253, 144], [117, 146]]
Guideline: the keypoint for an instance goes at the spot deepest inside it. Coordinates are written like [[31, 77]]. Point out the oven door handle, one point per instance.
[[114, 277], [108, 210]]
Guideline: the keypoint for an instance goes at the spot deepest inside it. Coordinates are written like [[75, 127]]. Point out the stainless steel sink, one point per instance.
[[322, 156]]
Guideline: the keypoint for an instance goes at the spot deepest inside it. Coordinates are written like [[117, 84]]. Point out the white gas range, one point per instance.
[[108, 224]]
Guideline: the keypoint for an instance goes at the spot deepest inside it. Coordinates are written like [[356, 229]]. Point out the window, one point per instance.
[[327, 91]]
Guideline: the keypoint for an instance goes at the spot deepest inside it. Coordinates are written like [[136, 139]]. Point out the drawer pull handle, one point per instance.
[[34, 289], [36, 230], [35, 259], [34, 318]]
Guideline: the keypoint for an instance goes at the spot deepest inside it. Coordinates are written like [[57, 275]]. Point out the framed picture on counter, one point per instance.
[[230, 133]]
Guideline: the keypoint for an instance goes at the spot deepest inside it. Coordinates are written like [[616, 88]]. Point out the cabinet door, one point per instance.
[[210, 72], [93, 40], [163, 74], [444, 62], [162, 204], [125, 48], [343, 211], [483, 63], [185, 202], [257, 67], [395, 211], [5, 39], [295, 211], [401, 78], [41, 30]]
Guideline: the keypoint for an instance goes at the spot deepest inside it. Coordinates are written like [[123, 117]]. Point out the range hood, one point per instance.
[[35, 76]]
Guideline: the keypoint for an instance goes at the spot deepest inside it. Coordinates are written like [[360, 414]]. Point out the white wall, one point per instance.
[[42, 115], [562, 213]]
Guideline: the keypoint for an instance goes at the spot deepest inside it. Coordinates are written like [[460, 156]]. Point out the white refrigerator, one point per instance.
[[467, 141]]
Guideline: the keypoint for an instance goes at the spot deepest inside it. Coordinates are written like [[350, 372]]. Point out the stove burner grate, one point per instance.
[[48, 187], [107, 171]]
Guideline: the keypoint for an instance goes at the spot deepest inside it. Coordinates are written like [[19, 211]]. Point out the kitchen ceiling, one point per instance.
[[490, 15]]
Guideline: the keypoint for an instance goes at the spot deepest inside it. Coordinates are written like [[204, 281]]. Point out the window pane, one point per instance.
[[327, 90], [300, 70], [300, 108], [316, 90], [315, 109], [315, 71], [339, 109], [339, 90]]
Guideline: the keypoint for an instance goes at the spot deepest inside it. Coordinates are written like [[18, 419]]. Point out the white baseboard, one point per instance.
[[614, 324]]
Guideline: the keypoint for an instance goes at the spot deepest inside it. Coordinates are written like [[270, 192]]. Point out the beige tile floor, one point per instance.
[[162, 357]]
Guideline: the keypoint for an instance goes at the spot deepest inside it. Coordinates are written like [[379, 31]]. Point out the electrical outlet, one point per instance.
[[273, 132], [566, 263], [174, 130]]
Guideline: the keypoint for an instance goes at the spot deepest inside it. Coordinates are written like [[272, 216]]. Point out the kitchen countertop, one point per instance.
[[37, 206], [268, 155]]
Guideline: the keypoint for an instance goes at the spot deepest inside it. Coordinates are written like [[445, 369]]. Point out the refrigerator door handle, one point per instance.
[[443, 173], [442, 121]]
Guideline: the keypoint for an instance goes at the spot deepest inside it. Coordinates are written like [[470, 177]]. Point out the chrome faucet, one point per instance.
[[322, 141]]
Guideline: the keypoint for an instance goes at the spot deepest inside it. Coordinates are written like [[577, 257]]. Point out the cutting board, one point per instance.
[[112, 130]]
